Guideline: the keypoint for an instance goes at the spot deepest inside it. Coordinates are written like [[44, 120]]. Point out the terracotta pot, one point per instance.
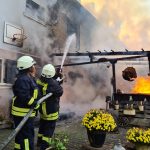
[[96, 138], [142, 147]]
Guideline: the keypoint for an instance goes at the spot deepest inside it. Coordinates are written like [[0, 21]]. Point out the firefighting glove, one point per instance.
[[59, 76], [59, 79]]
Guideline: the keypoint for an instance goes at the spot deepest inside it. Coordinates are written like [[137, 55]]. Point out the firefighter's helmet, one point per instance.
[[48, 71], [25, 62]]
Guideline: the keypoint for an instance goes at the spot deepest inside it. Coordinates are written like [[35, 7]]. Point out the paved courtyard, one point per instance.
[[76, 134]]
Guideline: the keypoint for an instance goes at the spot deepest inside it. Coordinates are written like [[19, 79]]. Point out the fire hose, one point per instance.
[[24, 120]]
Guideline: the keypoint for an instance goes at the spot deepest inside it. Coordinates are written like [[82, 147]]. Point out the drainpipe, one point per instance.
[[113, 62]]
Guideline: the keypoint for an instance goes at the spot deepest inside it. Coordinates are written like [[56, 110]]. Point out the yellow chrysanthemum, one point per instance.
[[138, 135], [97, 119]]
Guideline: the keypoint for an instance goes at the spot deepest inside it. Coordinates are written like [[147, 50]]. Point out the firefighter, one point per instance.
[[25, 92], [49, 109]]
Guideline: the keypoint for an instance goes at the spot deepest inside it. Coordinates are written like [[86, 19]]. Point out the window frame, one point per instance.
[[35, 17]]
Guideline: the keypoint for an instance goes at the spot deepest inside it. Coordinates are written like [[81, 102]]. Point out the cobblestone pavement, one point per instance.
[[76, 134]]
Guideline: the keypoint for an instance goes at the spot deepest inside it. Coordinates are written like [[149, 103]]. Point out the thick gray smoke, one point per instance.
[[38, 40], [85, 86]]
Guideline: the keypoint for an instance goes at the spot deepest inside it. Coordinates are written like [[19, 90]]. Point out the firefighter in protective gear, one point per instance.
[[25, 92], [49, 109]]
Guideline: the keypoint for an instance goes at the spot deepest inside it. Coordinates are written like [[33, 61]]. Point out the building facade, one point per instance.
[[37, 28]]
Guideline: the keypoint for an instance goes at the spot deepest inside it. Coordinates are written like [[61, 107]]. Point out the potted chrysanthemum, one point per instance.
[[140, 137], [97, 123]]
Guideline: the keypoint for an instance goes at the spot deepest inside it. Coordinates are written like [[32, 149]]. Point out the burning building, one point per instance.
[[39, 29], [42, 28]]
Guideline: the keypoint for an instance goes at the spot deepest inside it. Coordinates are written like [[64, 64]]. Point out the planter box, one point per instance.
[[129, 112]]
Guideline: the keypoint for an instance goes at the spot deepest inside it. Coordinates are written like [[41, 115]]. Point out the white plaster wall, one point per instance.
[[12, 11]]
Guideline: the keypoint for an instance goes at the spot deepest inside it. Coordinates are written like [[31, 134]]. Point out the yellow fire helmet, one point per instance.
[[48, 71], [25, 62]]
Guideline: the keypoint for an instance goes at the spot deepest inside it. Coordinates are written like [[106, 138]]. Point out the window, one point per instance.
[[10, 71], [74, 28], [35, 11]]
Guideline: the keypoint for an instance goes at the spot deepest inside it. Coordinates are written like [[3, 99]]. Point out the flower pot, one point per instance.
[[142, 147], [141, 107], [116, 107], [96, 138]]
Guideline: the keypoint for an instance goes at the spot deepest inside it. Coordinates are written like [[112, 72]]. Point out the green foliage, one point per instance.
[[59, 143]]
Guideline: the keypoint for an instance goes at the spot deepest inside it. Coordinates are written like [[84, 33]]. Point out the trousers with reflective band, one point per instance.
[[46, 131], [25, 138]]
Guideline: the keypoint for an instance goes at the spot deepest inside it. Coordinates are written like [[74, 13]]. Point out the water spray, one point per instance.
[[68, 43], [66, 49]]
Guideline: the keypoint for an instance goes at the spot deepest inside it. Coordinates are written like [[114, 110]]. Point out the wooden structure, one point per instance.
[[128, 106], [132, 109]]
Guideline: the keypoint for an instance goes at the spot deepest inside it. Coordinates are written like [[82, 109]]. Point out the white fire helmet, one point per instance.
[[25, 62], [48, 71]]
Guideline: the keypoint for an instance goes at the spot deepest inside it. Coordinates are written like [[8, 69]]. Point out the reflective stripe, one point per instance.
[[26, 143], [35, 94], [21, 114], [40, 135], [31, 101], [44, 86], [44, 89], [44, 108], [17, 146], [16, 111], [13, 99], [46, 139], [39, 82], [25, 110], [52, 116], [21, 111]]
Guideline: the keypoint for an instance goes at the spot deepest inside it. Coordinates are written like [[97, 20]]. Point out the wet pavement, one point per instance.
[[76, 134]]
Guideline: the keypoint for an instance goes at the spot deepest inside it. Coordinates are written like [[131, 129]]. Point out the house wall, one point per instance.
[[13, 12], [43, 38]]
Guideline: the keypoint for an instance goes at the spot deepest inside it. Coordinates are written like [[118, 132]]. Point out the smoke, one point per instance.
[[38, 35], [118, 26], [127, 20], [85, 88], [114, 25], [51, 3]]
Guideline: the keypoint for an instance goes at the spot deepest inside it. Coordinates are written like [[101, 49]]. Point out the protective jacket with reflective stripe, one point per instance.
[[49, 109], [25, 92]]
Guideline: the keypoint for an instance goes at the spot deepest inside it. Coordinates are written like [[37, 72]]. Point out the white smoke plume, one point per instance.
[[119, 27], [88, 85], [38, 40]]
